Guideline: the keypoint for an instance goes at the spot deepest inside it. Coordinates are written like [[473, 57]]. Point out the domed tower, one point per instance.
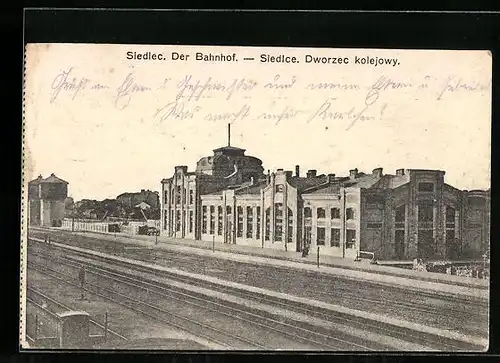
[[230, 162]]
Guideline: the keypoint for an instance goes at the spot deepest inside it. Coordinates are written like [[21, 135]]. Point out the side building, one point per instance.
[[412, 213], [46, 198]]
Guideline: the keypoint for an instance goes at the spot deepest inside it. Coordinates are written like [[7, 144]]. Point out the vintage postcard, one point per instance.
[[255, 198]]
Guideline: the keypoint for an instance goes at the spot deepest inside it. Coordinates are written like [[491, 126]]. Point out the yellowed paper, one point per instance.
[[110, 119]]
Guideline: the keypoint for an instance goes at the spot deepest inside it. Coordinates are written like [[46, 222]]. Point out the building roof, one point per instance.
[[302, 183], [251, 189], [50, 179], [229, 149]]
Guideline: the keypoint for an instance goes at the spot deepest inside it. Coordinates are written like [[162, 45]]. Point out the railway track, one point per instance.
[[313, 339], [320, 335], [339, 295]]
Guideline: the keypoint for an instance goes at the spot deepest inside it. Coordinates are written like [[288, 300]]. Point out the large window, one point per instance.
[[268, 224], [249, 222], [204, 219], [212, 219], [190, 221], [178, 194], [450, 217], [349, 212], [165, 219], [191, 196], [425, 212], [219, 220], [335, 213], [278, 227], [165, 197], [400, 216], [335, 237], [425, 187], [257, 232], [320, 236], [290, 226], [178, 220], [320, 213], [350, 238], [239, 216]]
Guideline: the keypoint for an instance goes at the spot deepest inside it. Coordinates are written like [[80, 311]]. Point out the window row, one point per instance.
[[334, 213], [209, 217], [321, 240], [179, 196]]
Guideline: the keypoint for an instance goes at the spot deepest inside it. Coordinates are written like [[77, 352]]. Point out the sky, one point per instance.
[[108, 124]]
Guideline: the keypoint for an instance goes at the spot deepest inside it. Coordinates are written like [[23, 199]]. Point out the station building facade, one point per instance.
[[410, 214]]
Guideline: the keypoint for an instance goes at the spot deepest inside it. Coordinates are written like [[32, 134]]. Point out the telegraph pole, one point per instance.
[[344, 227]]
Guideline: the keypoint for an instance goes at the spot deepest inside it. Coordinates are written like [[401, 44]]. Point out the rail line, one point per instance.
[[393, 332], [140, 254], [217, 308]]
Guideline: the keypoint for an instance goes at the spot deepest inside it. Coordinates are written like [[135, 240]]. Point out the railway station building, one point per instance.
[[410, 214], [46, 201]]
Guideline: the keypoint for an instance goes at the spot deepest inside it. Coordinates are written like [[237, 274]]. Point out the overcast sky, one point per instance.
[[108, 125]]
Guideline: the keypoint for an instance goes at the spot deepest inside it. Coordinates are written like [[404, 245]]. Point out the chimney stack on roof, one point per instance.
[[268, 177], [400, 172], [280, 170], [297, 170], [353, 173], [331, 178], [378, 172], [311, 173]]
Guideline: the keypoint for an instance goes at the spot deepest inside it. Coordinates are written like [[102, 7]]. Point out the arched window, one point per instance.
[[278, 225], [219, 220], [239, 216], [249, 233], [212, 219], [268, 224], [290, 226]]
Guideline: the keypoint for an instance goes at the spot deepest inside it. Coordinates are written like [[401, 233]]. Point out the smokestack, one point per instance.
[[353, 173], [377, 172], [311, 173], [228, 134], [297, 170]]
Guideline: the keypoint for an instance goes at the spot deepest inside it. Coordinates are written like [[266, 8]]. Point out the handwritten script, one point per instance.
[[276, 98]]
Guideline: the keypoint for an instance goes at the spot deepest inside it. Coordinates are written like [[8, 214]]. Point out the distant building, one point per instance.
[[147, 196], [412, 213], [46, 198]]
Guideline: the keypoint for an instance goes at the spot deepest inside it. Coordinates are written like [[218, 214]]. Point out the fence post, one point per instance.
[[106, 326], [318, 257], [36, 328], [213, 243]]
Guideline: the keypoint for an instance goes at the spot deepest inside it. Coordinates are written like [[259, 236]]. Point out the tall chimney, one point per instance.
[[353, 173], [311, 173], [297, 170], [228, 134], [268, 177], [377, 172]]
